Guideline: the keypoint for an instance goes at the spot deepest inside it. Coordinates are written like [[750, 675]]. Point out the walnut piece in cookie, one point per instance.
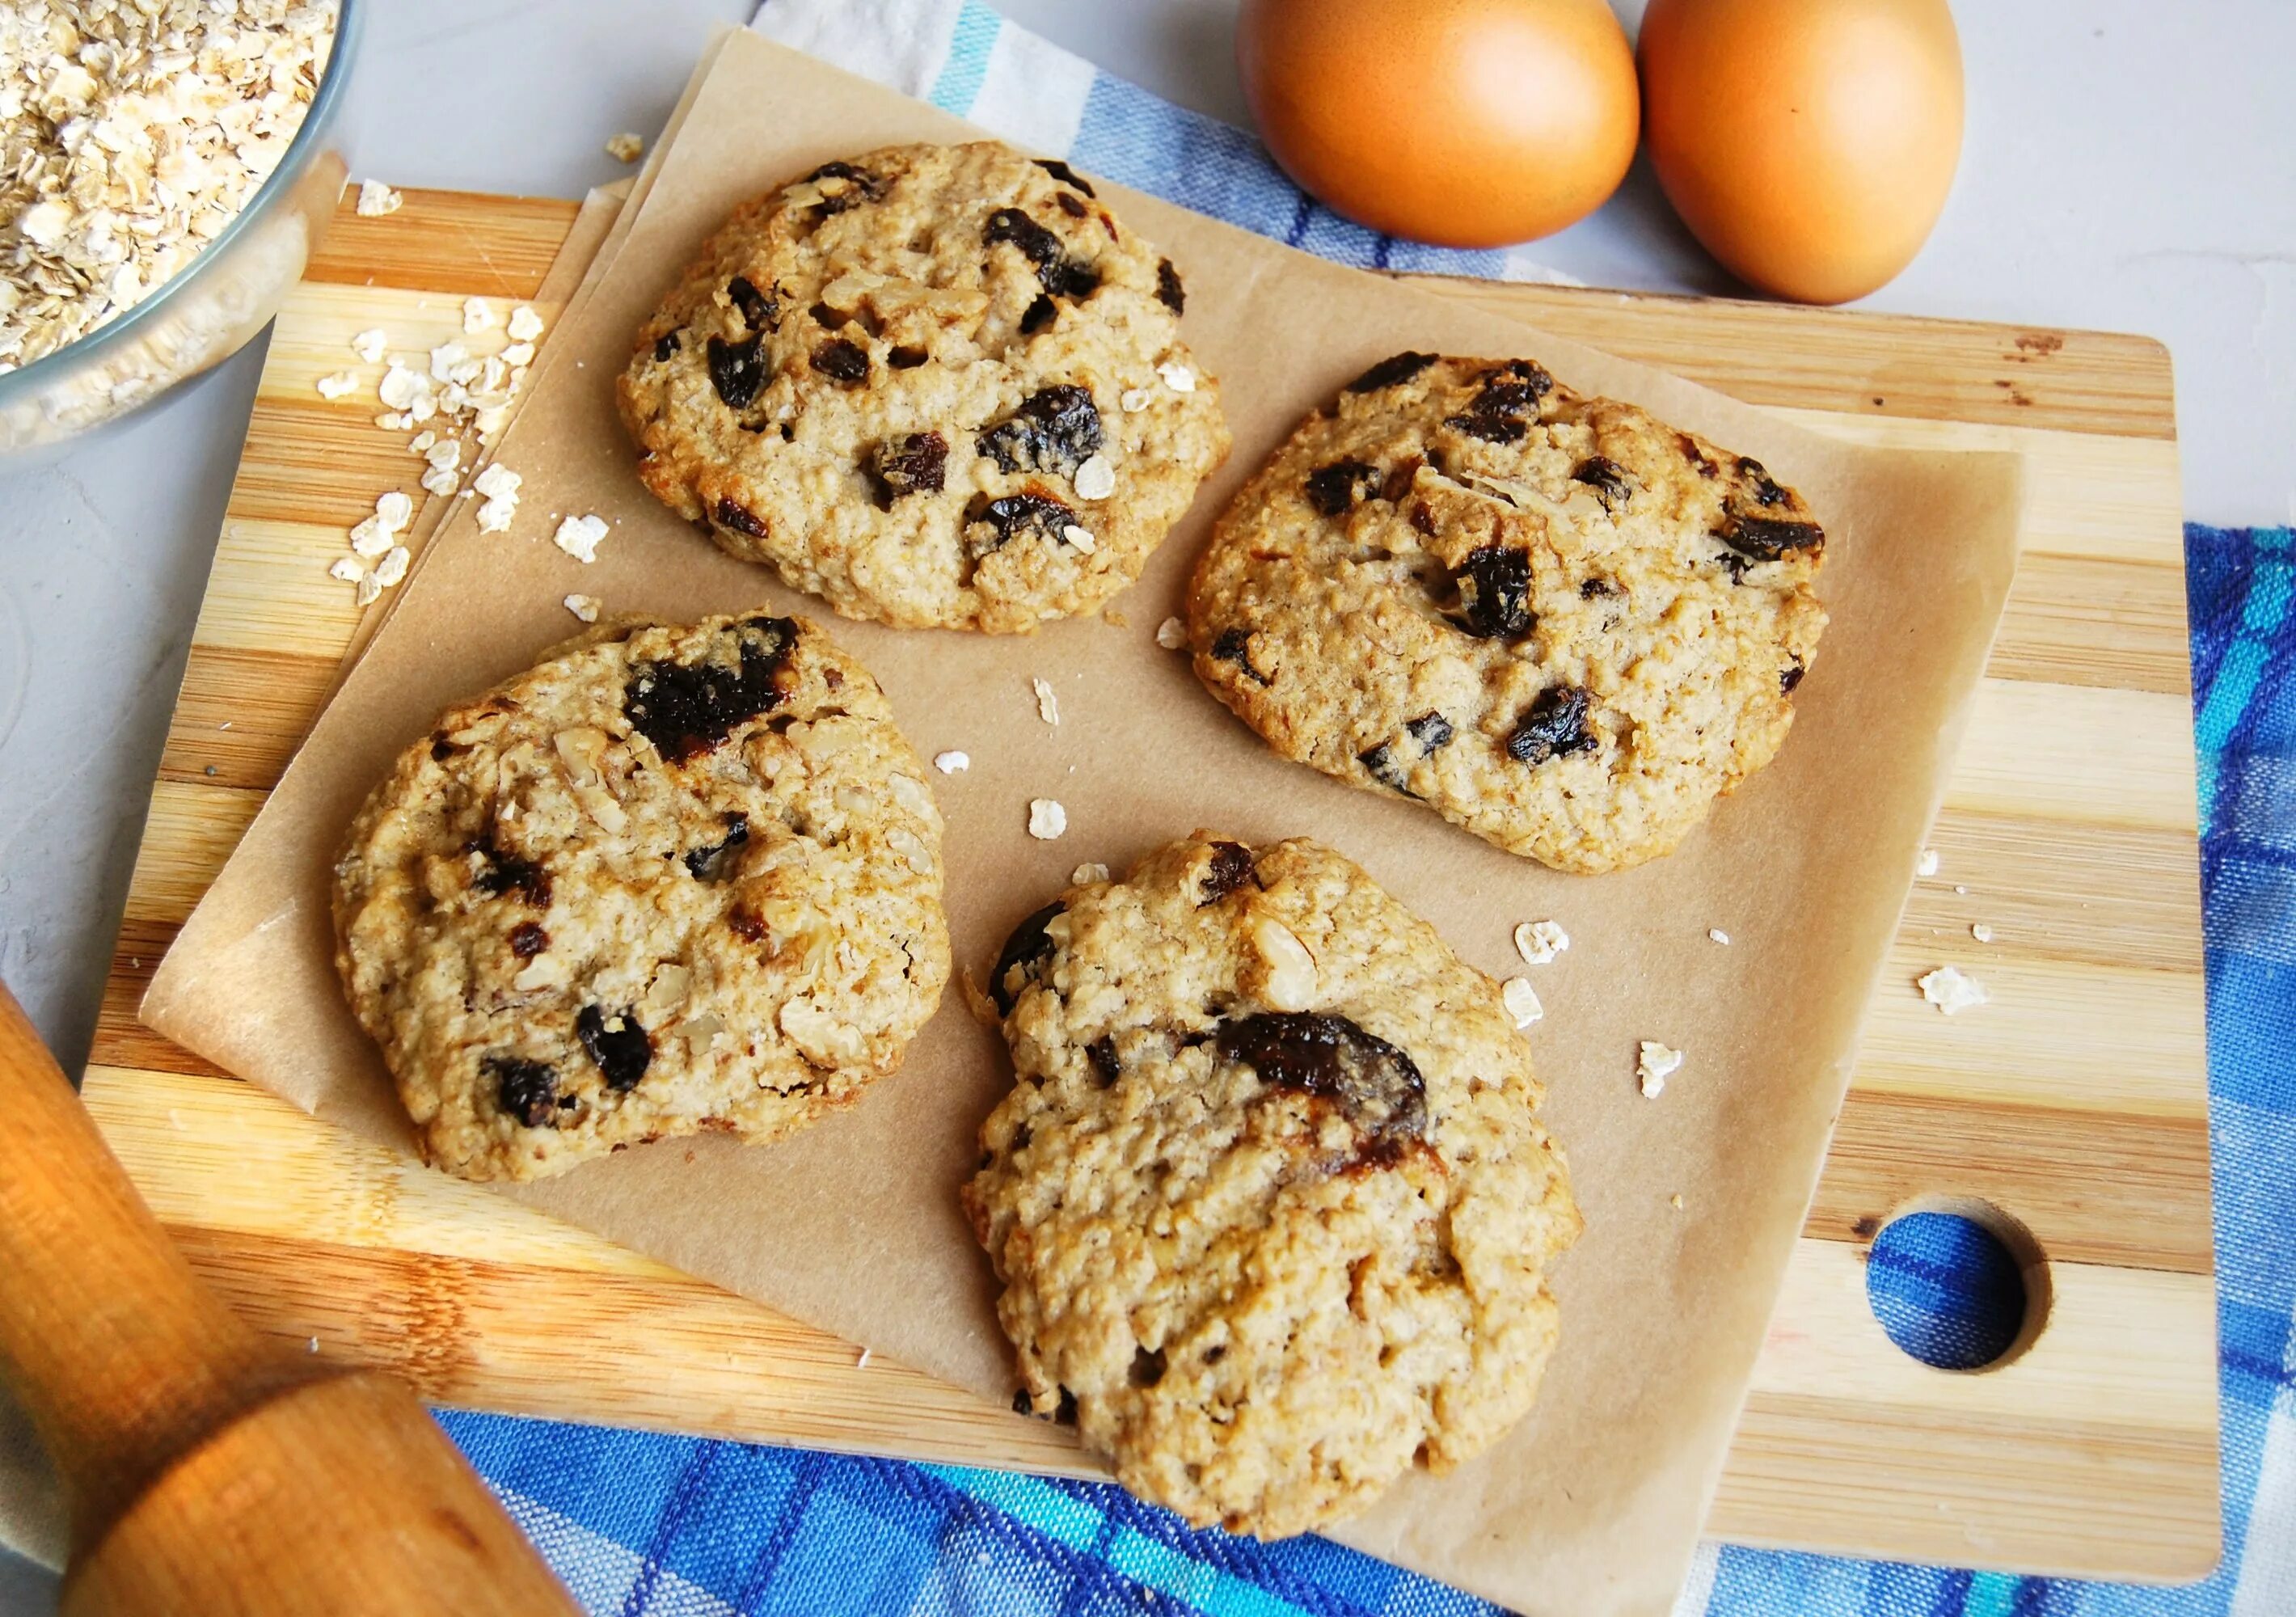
[[1323, 1213], [898, 380], [1557, 621], [675, 878]]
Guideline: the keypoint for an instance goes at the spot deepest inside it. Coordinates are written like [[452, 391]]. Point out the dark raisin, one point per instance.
[[1072, 206], [1038, 244], [1216, 1352], [500, 872], [1021, 1134], [1064, 1413], [737, 370], [620, 1047], [1234, 645], [664, 346], [841, 359], [442, 748], [1588, 588], [1762, 538], [1147, 1367], [1333, 489], [1431, 731], [526, 1090], [527, 939], [1062, 172], [1028, 948], [1026, 513], [1377, 1085], [686, 709], [1422, 519], [1058, 275], [1605, 477], [1400, 478], [1554, 726], [709, 864], [1102, 1053], [908, 357], [1495, 593], [1696, 456], [1056, 429], [732, 514], [917, 464], [1766, 492], [1791, 676], [862, 187], [1170, 292], [1041, 312], [1386, 768], [1023, 1404], [759, 312], [746, 925], [1230, 868], [1389, 371], [1510, 393]]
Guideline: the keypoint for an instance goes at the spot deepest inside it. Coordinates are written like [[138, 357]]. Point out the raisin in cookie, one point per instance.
[[674, 878], [935, 385], [1556, 620], [1272, 1211]]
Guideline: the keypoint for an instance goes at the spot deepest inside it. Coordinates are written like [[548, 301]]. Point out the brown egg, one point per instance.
[[1809, 143], [1469, 123]]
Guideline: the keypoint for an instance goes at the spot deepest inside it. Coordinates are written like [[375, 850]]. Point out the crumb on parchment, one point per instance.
[[1654, 1063], [1540, 941]]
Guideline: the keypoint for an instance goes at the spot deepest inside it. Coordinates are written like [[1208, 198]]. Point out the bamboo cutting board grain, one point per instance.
[[2070, 1113]]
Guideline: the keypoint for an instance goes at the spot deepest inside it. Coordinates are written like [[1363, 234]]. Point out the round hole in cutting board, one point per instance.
[[1957, 1284]]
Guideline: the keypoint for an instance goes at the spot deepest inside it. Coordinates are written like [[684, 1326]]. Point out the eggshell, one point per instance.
[[1809, 143], [1469, 123]]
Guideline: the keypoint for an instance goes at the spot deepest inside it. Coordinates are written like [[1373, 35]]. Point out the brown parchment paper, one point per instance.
[[1590, 1508]]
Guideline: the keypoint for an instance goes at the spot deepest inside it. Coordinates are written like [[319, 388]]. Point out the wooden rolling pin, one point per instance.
[[210, 1471]]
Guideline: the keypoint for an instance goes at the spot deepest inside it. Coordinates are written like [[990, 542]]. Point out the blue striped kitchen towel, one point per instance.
[[641, 1524]]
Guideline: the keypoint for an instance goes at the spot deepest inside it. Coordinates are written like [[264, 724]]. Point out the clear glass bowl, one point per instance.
[[212, 308]]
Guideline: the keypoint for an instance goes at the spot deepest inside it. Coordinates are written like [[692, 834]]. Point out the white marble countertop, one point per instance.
[[2129, 166]]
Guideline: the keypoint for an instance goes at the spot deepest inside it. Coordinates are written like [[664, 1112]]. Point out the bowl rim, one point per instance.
[[293, 163]]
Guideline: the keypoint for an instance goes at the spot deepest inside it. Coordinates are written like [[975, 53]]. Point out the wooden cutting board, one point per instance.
[[2070, 1113]]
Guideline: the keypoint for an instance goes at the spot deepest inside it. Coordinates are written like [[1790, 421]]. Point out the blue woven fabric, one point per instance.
[[647, 1525]]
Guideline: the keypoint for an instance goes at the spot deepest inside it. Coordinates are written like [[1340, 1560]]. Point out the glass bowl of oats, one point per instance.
[[167, 168]]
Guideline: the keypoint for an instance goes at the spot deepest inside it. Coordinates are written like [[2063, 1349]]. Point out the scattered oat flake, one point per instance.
[[585, 607], [1980, 931], [1048, 705], [1654, 1063], [627, 147], [861, 1363], [370, 344], [424, 442], [951, 763], [1046, 818], [497, 481], [495, 515], [525, 325], [517, 356], [393, 566], [347, 569], [1927, 864], [1178, 377], [370, 589], [1094, 479], [1093, 872], [1952, 990], [394, 511], [371, 537], [376, 199], [1522, 1001], [1540, 941], [1171, 633], [338, 385], [1718, 934], [579, 536], [480, 315]]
